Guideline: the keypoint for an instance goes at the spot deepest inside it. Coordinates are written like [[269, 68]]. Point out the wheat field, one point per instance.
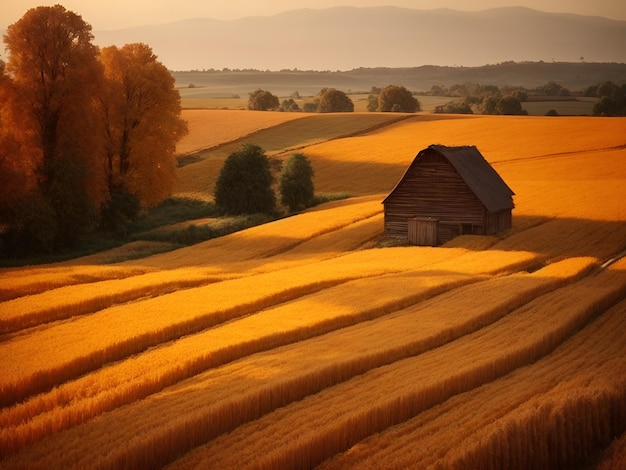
[[305, 342]]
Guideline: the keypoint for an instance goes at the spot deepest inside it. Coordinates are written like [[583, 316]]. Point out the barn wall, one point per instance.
[[433, 188], [498, 222]]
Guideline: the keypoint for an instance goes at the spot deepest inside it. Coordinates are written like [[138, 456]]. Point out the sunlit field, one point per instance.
[[312, 341]]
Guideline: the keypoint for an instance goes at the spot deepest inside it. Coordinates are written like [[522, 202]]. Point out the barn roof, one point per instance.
[[477, 173]]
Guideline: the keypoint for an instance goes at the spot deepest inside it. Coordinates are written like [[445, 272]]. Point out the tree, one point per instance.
[[334, 101], [310, 107], [397, 99], [55, 82], [372, 103], [142, 124], [553, 89], [454, 107], [296, 183], [605, 107], [509, 105], [262, 100], [16, 175], [612, 99], [289, 106], [489, 104], [244, 185]]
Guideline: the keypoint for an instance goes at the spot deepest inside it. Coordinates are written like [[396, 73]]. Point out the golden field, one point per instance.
[[303, 343]]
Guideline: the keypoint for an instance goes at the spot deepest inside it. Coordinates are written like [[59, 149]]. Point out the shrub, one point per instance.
[[289, 106], [454, 108], [334, 101], [33, 229], [397, 99], [262, 100], [244, 186], [121, 208], [296, 183]]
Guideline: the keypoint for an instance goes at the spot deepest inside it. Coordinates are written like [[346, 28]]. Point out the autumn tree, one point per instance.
[[55, 80], [141, 123], [244, 185], [296, 183], [13, 169], [331, 100], [262, 100], [397, 99]]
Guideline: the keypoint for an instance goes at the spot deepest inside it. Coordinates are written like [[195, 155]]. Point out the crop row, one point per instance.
[[330, 308], [52, 356], [468, 427], [307, 432], [29, 281], [220, 399], [251, 246], [79, 299]]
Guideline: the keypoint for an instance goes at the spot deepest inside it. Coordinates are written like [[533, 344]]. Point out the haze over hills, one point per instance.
[[344, 38]]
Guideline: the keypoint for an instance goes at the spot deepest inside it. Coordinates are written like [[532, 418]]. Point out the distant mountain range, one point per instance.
[[344, 38]]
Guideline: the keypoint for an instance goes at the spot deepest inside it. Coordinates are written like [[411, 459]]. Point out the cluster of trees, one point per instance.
[[328, 100], [244, 185], [490, 99], [393, 98], [87, 136], [478, 90], [482, 99], [612, 99]]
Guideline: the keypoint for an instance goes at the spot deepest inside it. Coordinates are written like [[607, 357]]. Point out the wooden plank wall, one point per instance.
[[423, 231], [432, 188]]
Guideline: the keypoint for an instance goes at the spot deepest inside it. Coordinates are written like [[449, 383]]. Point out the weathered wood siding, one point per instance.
[[497, 222], [433, 188], [423, 231]]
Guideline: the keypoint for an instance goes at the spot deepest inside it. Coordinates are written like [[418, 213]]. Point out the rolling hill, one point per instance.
[[306, 342]]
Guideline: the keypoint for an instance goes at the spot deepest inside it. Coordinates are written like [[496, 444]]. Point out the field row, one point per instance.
[[302, 434], [335, 300], [472, 332], [518, 421]]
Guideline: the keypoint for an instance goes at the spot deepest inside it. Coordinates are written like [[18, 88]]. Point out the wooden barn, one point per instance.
[[446, 192]]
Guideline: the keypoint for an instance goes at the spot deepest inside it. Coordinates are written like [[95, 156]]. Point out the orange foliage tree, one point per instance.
[[55, 80], [141, 117], [14, 171], [79, 128]]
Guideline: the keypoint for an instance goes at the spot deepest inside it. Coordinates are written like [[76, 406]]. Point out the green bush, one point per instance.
[[244, 186], [296, 183]]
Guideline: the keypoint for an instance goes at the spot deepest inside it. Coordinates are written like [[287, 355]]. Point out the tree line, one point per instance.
[[473, 98], [87, 136], [391, 98]]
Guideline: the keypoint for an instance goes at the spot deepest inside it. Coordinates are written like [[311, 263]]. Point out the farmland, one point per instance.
[[309, 341]]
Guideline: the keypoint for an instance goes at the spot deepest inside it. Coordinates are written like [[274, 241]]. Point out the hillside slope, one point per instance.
[[298, 343]]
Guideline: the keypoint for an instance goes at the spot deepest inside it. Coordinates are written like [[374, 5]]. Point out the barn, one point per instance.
[[446, 192]]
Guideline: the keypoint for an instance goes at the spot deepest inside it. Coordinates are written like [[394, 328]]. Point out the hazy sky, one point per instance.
[[116, 14]]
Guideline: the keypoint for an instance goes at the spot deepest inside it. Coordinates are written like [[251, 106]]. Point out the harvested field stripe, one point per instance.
[[64, 351], [461, 430], [275, 378], [301, 435], [29, 281], [50, 357], [156, 369], [74, 300]]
